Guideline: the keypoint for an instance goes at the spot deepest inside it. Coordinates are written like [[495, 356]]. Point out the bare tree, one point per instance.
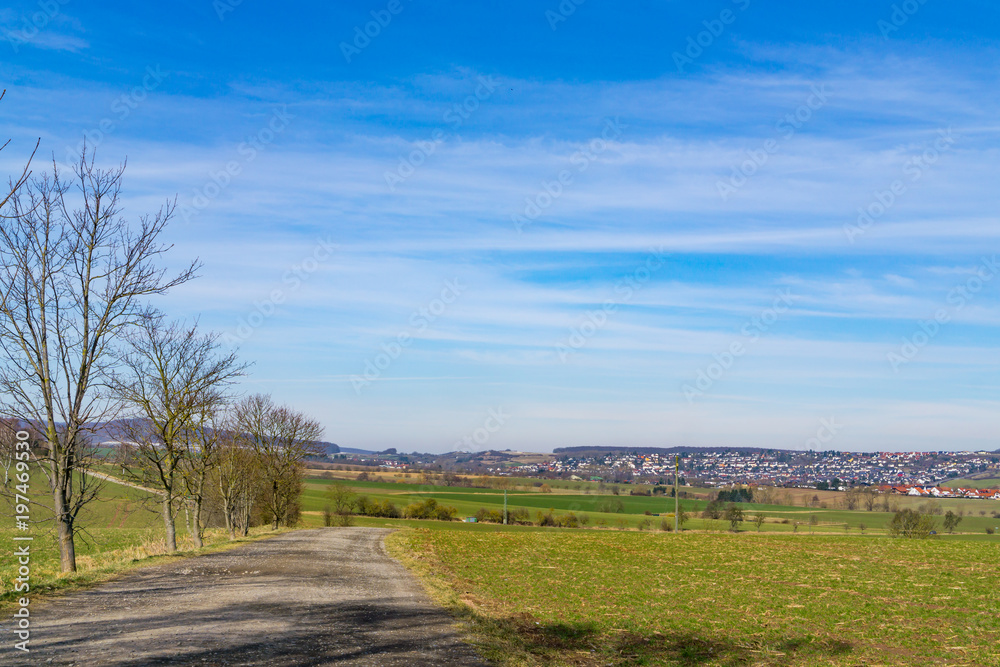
[[283, 438], [72, 280], [851, 498], [869, 497], [201, 443], [173, 379], [238, 475], [765, 495]]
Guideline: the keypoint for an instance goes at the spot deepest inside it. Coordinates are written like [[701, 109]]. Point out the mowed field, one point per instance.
[[569, 597]]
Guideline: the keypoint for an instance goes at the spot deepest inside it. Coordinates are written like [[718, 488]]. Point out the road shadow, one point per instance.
[[550, 639], [358, 632]]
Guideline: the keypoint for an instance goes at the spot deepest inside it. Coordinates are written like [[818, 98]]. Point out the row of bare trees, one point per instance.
[[244, 461], [81, 346]]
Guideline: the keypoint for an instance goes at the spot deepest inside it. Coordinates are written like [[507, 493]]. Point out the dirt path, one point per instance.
[[312, 597], [121, 482]]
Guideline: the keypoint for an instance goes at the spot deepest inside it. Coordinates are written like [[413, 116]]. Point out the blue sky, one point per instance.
[[648, 223]]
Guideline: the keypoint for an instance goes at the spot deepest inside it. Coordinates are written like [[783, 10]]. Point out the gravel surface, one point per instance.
[[313, 597]]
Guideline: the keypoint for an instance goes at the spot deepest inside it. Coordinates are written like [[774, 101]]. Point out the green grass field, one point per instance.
[[561, 597], [985, 483], [779, 518]]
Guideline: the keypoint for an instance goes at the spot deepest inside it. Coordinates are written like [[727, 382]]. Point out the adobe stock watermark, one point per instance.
[[714, 28], [786, 128], [827, 431], [420, 320], [34, 23], [751, 331], [223, 7], [292, 280], [913, 170], [363, 35], [899, 17], [562, 12], [958, 297], [595, 320], [121, 108], [454, 117], [22, 552], [476, 440], [552, 189], [247, 150]]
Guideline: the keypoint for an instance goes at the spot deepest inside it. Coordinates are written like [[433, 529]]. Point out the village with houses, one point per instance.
[[928, 474]]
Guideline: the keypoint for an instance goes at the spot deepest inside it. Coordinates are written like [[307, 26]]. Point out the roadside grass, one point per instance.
[[551, 597]]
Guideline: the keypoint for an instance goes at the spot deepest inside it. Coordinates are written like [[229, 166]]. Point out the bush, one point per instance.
[[546, 519], [611, 506], [989, 531], [645, 524], [666, 525], [907, 523], [380, 508], [519, 516], [429, 509], [489, 516]]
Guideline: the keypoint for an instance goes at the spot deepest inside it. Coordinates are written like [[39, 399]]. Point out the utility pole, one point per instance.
[[505, 507], [677, 501]]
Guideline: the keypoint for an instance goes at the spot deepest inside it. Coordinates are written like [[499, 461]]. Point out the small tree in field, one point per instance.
[[734, 515], [682, 517], [342, 500], [951, 521], [758, 520], [908, 523]]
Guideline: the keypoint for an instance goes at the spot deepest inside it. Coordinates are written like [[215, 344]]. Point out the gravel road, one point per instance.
[[313, 597]]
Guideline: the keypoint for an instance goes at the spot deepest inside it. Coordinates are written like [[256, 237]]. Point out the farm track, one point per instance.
[[311, 597]]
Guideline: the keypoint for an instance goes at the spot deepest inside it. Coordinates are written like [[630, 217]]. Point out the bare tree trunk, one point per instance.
[[227, 507], [168, 522], [64, 531], [196, 505], [245, 517]]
